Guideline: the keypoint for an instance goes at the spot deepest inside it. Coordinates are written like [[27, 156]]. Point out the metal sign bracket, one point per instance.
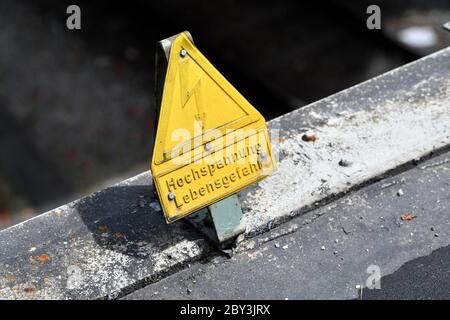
[[220, 222]]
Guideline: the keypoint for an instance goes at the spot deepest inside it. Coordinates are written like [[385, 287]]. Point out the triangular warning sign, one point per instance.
[[195, 90], [198, 105]]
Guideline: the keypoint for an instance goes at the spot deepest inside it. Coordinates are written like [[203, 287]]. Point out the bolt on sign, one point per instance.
[[210, 141]]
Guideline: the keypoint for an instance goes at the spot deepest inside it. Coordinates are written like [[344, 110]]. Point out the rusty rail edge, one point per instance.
[[115, 241]]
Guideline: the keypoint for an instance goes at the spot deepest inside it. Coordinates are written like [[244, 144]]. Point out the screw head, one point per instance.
[[171, 196], [183, 53], [345, 163], [208, 147]]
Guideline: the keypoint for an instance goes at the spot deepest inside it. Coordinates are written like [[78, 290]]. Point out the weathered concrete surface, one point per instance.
[[114, 241], [376, 126], [325, 253]]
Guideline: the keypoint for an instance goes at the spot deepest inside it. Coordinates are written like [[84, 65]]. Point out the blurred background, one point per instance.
[[75, 105]]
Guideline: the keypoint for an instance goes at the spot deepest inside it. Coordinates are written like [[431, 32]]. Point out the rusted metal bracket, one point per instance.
[[220, 222]]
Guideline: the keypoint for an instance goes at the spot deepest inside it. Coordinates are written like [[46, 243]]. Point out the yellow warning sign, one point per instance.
[[210, 142]]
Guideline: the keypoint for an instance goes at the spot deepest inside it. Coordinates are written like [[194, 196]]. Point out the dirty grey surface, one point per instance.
[[115, 240], [325, 254]]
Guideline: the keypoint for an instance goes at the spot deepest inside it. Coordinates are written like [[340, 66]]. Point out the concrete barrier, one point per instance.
[[115, 241]]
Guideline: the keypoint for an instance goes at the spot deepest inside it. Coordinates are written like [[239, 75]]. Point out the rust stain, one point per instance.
[[103, 229], [309, 137], [119, 235], [407, 217], [29, 290], [44, 258]]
